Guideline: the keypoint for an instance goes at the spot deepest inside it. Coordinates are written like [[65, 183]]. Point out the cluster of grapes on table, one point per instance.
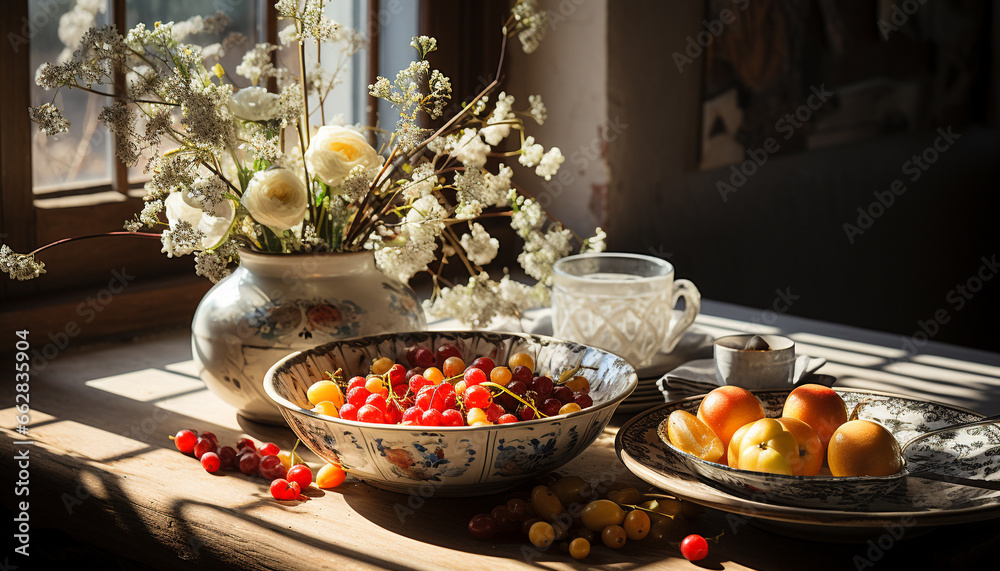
[[288, 475], [440, 390], [573, 514]]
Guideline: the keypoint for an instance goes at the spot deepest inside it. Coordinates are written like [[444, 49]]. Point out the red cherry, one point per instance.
[[431, 417], [356, 382], [349, 412], [371, 414], [397, 374], [452, 417], [282, 489], [210, 462], [694, 547], [185, 440], [493, 412], [423, 357], [271, 467], [446, 351], [507, 419], [204, 445], [269, 449], [484, 364], [412, 415], [249, 462], [301, 475], [227, 458], [474, 376]]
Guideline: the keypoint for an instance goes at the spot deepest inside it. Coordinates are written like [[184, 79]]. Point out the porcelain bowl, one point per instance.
[[822, 491], [449, 461]]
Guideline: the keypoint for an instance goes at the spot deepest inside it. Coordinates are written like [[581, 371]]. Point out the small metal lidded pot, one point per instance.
[[755, 361]]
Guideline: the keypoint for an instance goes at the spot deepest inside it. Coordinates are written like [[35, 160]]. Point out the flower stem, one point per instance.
[[89, 236]]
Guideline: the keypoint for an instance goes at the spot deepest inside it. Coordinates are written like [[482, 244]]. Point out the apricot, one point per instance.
[[727, 408], [864, 448], [818, 406], [810, 458], [693, 436]]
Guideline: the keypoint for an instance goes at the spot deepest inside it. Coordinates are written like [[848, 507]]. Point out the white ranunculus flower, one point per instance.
[[214, 227], [334, 151], [276, 198], [254, 104]]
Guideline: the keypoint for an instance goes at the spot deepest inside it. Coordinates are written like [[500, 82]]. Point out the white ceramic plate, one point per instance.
[[969, 459]]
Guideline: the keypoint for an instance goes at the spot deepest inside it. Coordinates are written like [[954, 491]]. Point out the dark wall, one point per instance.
[[783, 229]]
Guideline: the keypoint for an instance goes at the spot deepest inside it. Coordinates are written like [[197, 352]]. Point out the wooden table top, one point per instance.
[[103, 471]]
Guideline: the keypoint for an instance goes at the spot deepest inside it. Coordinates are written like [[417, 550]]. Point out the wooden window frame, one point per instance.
[[163, 293]]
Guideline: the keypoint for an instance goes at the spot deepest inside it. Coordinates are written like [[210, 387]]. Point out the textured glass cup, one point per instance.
[[623, 303]]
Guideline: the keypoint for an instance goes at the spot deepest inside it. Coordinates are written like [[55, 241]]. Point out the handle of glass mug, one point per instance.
[[692, 305]]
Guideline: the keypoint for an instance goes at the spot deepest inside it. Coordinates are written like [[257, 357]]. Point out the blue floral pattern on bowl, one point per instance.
[[454, 461]]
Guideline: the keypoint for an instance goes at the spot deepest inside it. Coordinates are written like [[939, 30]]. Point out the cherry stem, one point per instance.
[[508, 391]]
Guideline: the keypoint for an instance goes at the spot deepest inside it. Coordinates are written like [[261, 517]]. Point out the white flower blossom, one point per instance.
[[254, 104], [276, 198], [192, 228], [423, 179], [596, 243], [549, 165], [498, 123], [21, 267], [531, 152], [479, 246], [335, 151], [538, 111], [256, 64], [288, 35], [471, 150], [542, 250]]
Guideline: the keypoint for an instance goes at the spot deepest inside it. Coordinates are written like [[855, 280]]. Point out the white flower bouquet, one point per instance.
[[229, 182]]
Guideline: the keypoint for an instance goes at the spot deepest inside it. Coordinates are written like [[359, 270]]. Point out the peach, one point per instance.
[[810, 458], [728, 408], [864, 448], [819, 407]]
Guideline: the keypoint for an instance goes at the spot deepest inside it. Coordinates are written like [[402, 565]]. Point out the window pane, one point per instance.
[[81, 157], [235, 40]]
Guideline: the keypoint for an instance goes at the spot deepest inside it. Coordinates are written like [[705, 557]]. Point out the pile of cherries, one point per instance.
[[284, 469], [440, 390]]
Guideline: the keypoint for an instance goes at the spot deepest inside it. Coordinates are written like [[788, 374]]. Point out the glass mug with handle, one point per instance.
[[623, 303]]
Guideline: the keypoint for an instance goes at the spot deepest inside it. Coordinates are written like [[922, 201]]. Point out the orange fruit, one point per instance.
[[863, 448], [727, 408], [693, 436], [818, 406]]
